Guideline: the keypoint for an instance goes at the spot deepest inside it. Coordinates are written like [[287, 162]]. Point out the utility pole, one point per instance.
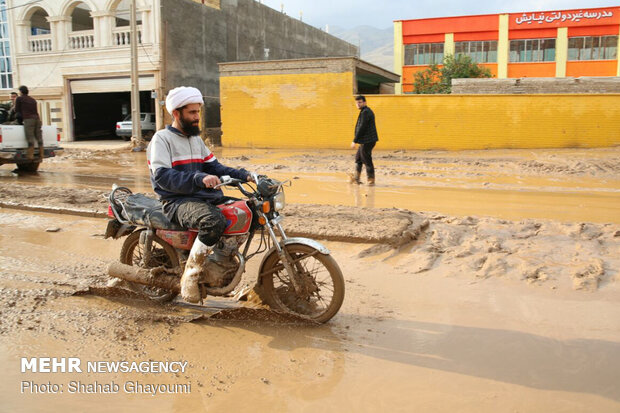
[[136, 127]]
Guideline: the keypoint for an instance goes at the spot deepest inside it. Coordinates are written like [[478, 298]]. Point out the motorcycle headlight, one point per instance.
[[278, 201]]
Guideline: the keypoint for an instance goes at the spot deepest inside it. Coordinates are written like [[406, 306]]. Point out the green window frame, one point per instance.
[[424, 54], [532, 50], [484, 51], [592, 48]]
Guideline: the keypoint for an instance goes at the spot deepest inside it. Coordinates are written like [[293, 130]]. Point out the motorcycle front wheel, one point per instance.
[[321, 278], [162, 254]]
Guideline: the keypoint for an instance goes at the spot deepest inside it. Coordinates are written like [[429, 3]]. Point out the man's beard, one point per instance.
[[188, 128]]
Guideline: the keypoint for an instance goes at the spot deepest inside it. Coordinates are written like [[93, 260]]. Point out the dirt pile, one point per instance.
[[339, 223], [583, 255], [335, 223], [90, 202]]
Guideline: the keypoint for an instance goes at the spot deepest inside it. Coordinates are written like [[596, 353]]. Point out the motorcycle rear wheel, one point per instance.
[[320, 270], [162, 254]]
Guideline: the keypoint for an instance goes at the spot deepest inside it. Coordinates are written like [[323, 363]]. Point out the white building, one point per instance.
[[74, 55]]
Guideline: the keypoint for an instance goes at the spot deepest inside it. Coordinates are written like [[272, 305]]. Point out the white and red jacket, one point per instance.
[[178, 164]]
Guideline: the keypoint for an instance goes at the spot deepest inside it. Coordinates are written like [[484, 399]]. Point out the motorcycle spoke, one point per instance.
[[316, 283]]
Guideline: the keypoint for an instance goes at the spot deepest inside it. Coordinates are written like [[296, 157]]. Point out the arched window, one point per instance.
[[81, 18], [39, 23], [122, 14]]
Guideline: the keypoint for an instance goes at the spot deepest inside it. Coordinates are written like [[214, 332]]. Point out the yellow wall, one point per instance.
[[456, 122], [318, 111], [287, 111]]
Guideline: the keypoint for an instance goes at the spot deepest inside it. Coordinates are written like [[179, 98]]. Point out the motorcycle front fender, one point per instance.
[[296, 240]]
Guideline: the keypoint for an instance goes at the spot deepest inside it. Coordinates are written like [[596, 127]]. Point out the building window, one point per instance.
[[593, 48], [38, 23], [123, 16], [479, 52], [423, 54], [6, 71], [81, 18], [532, 50]]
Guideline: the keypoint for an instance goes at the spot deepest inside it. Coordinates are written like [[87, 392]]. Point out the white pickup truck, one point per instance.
[[13, 146]]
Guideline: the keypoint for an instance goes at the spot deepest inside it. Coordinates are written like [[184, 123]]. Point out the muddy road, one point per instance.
[[500, 310], [566, 185]]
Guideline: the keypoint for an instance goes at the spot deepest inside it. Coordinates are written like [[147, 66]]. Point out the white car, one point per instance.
[[147, 121]]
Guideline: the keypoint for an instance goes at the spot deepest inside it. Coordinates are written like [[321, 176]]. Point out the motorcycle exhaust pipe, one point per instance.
[[155, 277]]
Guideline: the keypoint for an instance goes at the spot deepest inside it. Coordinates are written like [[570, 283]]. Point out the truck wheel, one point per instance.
[[28, 166], [126, 138], [148, 135]]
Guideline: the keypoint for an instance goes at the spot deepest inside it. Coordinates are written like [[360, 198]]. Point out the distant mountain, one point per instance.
[[376, 45]]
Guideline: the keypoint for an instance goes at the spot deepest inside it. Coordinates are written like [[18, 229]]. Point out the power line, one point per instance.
[[147, 54], [22, 5]]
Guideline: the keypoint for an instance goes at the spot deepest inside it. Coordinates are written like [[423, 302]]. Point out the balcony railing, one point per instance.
[[84, 39], [40, 43], [121, 36]]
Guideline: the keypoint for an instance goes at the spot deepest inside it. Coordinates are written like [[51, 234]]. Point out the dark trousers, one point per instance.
[[32, 129], [200, 215], [364, 157]]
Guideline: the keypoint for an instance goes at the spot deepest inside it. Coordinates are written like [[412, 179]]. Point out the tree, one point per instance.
[[439, 80]]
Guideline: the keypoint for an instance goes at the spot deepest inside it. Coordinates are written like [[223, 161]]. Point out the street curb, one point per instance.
[[291, 233], [53, 210]]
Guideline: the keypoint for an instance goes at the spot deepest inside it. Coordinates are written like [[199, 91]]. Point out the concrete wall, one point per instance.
[[537, 85], [318, 111], [197, 37]]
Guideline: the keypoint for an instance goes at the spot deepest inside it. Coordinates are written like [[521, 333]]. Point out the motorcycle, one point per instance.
[[296, 276]]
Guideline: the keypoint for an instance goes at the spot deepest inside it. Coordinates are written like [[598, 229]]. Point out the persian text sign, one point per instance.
[[589, 17]]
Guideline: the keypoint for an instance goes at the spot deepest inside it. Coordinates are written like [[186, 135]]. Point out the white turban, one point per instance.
[[181, 96]]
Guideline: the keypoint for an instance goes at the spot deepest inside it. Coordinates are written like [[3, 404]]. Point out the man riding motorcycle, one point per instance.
[[184, 173]]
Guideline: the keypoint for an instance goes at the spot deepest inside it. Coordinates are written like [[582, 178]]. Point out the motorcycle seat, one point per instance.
[[142, 210]]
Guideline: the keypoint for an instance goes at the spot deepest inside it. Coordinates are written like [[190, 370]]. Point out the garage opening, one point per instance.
[[96, 114], [98, 104]]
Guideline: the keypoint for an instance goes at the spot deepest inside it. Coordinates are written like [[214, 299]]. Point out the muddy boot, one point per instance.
[[370, 173], [30, 153], [354, 178], [41, 153], [190, 291]]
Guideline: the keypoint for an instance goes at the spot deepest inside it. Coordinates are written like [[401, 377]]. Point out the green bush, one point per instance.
[[439, 80]]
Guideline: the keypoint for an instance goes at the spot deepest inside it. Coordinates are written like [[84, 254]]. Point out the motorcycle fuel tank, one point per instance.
[[238, 217]]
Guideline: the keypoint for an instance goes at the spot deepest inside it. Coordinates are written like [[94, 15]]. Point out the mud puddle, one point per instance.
[[449, 337], [566, 185], [467, 313]]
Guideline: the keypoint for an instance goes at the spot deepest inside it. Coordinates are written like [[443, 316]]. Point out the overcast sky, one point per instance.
[[381, 14]]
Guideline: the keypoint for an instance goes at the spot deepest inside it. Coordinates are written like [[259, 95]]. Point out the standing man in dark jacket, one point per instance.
[[366, 137], [26, 109]]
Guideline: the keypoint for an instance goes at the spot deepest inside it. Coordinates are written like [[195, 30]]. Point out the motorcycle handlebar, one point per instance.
[[229, 181]]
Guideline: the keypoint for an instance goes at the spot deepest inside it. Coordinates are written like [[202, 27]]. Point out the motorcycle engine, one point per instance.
[[222, 263]]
